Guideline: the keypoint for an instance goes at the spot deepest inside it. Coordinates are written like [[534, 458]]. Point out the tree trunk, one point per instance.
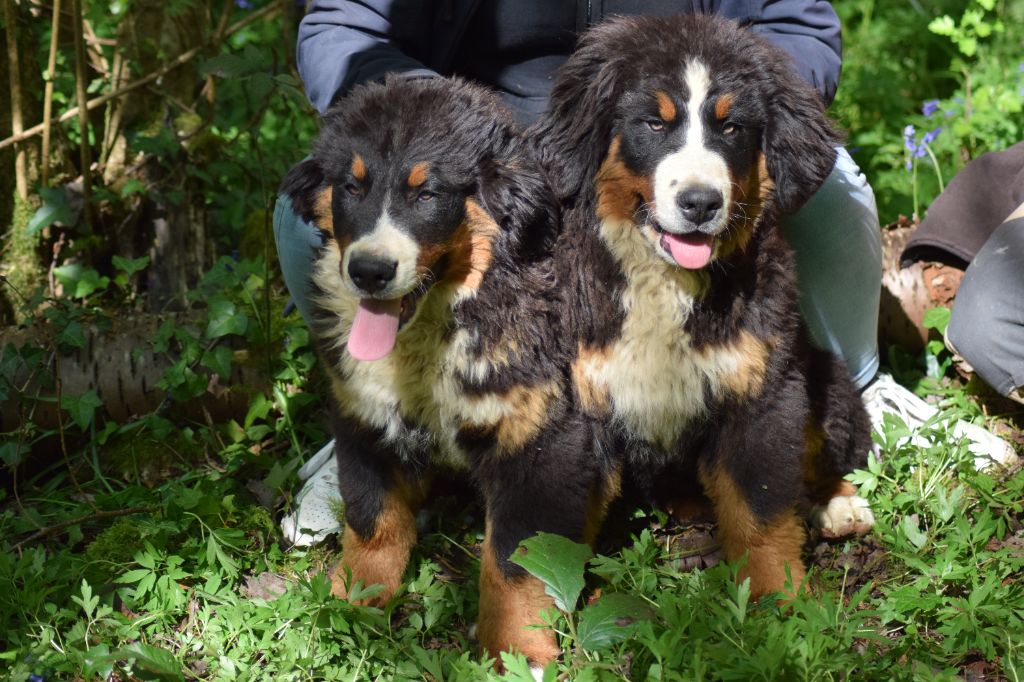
[[21, 261]]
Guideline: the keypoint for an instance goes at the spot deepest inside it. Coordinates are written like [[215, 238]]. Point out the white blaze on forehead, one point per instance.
[[387, 241], [694, 165]]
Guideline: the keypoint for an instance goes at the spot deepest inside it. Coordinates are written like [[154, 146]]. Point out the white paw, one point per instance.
[[537, 672], [844, 515]]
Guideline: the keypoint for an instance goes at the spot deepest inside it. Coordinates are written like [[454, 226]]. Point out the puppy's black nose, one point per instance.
[[371, 273], [699, 204]]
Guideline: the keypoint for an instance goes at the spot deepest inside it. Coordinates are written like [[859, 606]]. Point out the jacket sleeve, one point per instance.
[[809, 31], [342, 43]]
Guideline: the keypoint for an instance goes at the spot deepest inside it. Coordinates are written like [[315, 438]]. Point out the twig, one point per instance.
[[17, 124], [95, 516], [183, 58], [60, 432], [83, 114], [51, 65]]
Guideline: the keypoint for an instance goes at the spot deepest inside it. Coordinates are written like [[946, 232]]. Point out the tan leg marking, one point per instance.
[[507, 607], [769, 547], [381, 558]]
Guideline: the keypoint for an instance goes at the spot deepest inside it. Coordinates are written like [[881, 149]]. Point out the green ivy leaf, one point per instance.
[[151, 662], [80, 281], [558, 563], [225, 319], [55, 209], [130, 266], [611, 619], [73, 335], [936, 318], [82, 407], [218, 359]]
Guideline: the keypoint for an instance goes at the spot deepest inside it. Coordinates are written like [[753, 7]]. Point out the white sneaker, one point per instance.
[[884, 395], [317, 507]]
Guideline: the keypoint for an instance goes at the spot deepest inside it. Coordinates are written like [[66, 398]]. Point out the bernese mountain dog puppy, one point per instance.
[[438, 320], [675, 146]]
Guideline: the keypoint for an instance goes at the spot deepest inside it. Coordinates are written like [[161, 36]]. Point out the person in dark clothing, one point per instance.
[[979, 220], [514, 46]]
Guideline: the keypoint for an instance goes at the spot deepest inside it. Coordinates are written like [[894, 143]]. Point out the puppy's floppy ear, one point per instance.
[[516, 194], [573, 136], [799, 140], [303, 185]]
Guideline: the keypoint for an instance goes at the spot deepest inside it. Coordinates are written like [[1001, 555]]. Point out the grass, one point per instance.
[[198, 585]]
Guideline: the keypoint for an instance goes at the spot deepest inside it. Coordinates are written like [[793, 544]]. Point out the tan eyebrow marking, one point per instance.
[[723, 105], [666, 109], [418, 174], [358, 168]]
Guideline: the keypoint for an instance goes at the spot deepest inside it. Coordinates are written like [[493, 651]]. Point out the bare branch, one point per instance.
[[183, 58]]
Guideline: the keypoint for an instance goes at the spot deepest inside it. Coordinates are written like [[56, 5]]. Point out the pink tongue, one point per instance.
[[690, 251], [374, 329]]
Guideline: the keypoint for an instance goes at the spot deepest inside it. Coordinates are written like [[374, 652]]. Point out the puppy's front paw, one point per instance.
[[844, 515]]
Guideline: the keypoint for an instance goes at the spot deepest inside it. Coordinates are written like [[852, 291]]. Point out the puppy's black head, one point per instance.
[[690, 127], [416, 183]]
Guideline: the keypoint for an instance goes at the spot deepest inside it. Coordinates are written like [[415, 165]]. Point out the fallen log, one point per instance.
[[120, 363]]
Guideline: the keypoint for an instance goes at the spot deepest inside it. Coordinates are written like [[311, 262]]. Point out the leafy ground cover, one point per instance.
[[150, 551]]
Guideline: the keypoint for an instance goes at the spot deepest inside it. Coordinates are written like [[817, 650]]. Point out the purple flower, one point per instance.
[[930, 107], [910, 165], [243, 4], [1020, 67], [909, 131], [930, 136], [920, 151]]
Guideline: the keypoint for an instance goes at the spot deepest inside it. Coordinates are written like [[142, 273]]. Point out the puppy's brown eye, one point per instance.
[[353, 189], [656, 126], [425, 196]]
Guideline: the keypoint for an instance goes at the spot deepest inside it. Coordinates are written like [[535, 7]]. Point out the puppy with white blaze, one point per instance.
[[438, 319], [675, 146]]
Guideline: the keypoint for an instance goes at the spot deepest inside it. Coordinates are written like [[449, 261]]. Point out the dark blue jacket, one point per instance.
[[345, 42]]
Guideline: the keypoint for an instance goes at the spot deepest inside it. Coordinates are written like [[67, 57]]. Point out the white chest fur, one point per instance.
[[655, 381]]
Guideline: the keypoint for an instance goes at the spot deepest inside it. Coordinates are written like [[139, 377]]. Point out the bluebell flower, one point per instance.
[[930, 136], [243, 4], [909, 131], [1020, 67], [930, 107], [910, 165], [36, 678], [920, 151]]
